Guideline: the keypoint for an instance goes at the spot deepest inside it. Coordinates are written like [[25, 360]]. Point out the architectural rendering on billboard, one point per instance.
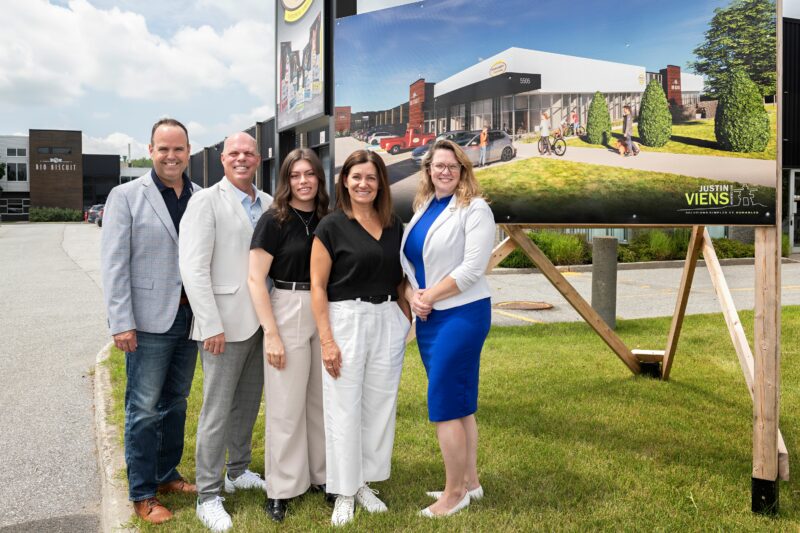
[[702, 147], [300, 41]]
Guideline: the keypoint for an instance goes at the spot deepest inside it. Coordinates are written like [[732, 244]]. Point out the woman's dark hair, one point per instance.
[[283, 190], [382, 202]]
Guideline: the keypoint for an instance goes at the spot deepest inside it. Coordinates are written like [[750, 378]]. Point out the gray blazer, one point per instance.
[[139, 259]]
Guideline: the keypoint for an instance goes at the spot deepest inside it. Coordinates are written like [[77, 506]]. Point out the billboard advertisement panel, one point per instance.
[[301, 73], [645, 123]]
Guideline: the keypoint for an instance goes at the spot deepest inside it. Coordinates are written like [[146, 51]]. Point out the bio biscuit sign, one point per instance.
[[295, 9]]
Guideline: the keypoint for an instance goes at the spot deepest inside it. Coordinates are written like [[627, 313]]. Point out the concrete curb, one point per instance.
[[115, 511], [647, 265]]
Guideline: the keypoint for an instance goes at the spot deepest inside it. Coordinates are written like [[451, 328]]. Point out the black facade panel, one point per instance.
[[196, 168], [791, 93], [501, 85], [215, 170], [100, 175], [267, 147]]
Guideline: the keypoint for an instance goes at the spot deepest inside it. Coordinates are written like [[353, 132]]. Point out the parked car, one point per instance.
[[100, 217], [456, 136], [376, 137], [501, 147], [91, 218], [413, 138]]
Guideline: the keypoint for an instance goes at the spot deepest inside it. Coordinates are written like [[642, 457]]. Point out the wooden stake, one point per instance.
[[766, 383], [738, 337], [573, 297], [689, 267]]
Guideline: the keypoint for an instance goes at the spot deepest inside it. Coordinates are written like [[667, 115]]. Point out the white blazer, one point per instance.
[[458, 244], [214, 247]]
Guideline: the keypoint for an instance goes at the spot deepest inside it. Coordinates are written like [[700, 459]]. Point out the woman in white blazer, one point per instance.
[[446, 248]]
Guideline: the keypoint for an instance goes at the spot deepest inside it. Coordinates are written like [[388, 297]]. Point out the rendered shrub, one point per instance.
[[730, 249], [655, 120], [742, 123], [598, 122]]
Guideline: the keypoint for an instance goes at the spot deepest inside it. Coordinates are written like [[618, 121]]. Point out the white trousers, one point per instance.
[[295, 437], [360, 404]]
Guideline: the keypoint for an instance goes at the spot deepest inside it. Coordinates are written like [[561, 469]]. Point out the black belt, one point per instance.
[[377, 299], [292, 285]]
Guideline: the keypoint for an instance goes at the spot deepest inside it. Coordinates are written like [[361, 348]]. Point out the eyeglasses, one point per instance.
[[440, 167]]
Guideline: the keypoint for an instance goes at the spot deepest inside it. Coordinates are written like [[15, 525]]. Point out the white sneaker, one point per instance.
[[343, 510], [248, 480], [213, 515], [474, 494], [366, 498]]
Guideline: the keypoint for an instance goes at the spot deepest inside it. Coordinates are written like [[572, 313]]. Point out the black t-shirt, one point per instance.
[[287, 243], [361, 266]]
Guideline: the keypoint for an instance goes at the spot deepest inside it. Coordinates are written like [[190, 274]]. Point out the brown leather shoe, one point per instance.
[[177, 485], [151, 510]]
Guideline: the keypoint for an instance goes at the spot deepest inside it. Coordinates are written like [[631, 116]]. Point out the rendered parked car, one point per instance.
[[501, 147], [100, 217], [456, 136], [91, 218], [413, 138], [375, 137]]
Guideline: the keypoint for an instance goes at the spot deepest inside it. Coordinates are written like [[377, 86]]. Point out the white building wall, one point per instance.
[[15, 141], [691, 83], [560, 73]]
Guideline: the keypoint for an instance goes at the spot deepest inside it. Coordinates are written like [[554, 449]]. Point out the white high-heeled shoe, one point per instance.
[[463, 504], [474, 494]]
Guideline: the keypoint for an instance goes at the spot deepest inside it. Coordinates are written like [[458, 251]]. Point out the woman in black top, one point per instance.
[[355, 284], [281, 249]]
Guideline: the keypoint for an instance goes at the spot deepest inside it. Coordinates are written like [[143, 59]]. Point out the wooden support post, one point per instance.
[[687, 277], [500, 252], [571, 295], [766, 382], [739, 338]]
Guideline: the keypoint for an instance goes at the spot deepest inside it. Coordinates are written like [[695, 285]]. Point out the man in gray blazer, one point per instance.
[[149, 316], [214, 258]]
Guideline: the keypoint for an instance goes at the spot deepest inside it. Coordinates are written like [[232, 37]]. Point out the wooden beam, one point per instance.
[[648, 356], [766, 382], [500, 252], [573, 297], [738, 337], [687, 277]]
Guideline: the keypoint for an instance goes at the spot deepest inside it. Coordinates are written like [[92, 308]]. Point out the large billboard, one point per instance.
[[701, 151], [300, 60]]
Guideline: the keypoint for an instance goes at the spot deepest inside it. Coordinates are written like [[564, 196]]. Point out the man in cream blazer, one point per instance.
[[214, 253]]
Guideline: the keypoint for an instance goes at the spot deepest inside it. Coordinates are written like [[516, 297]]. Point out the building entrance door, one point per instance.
[[794, 204]]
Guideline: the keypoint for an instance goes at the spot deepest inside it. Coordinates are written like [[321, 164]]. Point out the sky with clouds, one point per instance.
[[112, 68]]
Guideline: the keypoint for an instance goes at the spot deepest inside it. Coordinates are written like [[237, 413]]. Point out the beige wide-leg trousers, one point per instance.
[[360, 405], [294, 454]]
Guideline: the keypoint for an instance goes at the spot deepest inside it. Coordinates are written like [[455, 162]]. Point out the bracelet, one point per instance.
[[329, 341]]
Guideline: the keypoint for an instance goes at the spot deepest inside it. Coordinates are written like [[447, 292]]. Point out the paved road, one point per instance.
[[51, 329], [640, 293]]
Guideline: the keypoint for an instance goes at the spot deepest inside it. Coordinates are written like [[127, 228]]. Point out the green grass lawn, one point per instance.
[[545, 189], [696, 138], [570, 440]]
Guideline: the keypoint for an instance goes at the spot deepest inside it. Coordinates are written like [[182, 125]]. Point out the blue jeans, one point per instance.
[[482, 157], [159, 374]]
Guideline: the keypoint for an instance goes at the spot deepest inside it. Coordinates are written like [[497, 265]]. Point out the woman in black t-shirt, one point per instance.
[[355, 283], [281, 249]]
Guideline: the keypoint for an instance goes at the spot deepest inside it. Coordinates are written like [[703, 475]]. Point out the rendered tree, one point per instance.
[[740, 36], [598, 122], [655, 120], [742, 123]]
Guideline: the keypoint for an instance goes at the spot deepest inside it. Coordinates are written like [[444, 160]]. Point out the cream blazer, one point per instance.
[[214, 247], [459, 244]]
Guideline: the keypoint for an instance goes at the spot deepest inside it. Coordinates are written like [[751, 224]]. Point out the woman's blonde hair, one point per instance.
[[467, 188]]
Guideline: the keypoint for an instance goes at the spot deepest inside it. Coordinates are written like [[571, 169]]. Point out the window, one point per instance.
[[43, 150], [16, 171], [11, 152], [481, 114], [62, 151], [22, 152]]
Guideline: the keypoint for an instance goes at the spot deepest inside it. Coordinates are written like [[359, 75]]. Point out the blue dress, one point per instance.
[[450, 341]]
